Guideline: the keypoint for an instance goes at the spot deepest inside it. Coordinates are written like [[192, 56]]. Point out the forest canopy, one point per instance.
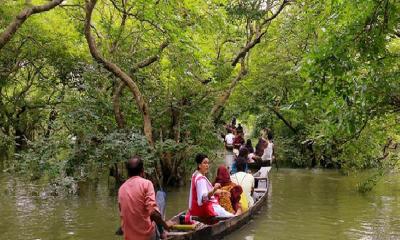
[[84, 85]]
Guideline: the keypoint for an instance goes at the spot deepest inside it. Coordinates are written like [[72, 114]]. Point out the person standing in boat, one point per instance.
[[137, 204], [229, 148], [233, 125], [261, 145], [202, 200], [269, 151], [239, 129]]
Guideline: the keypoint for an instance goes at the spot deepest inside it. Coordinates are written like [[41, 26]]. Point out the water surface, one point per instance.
[[302, 204]]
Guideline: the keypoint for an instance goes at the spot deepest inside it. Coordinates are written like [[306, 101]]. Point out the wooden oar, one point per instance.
[[203, 219], [183, 227]]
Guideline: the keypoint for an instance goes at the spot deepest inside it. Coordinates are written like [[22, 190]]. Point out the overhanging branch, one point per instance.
[[242, 53], [13, 27]]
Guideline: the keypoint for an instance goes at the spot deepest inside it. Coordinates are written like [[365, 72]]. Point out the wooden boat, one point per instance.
[[222, 228], [257, 165]]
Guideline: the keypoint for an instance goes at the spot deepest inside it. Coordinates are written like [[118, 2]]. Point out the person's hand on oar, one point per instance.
[[168, 227]]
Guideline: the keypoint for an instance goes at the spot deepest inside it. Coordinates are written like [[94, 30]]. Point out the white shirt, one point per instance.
[[229, 138], [268, 152], [246, 181], [203, 186]]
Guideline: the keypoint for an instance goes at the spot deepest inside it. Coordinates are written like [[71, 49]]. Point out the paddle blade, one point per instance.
[[161, 199]]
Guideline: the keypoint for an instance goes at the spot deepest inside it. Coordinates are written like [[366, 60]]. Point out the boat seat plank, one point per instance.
[[260, 178], [260, 189]]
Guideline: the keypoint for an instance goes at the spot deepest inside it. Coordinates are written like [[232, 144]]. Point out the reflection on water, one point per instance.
[[324, 205], [303, 204]]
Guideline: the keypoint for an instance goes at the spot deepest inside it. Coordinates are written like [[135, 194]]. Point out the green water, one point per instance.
[[303, 204]]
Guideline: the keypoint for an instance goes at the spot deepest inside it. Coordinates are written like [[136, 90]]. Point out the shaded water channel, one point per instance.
[[303, 204]]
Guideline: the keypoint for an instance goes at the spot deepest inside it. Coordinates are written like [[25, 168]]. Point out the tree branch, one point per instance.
[[146, 62], [280, 116], [119, 117], [119, 73], [242, 53], [216, 110], [13, 27]]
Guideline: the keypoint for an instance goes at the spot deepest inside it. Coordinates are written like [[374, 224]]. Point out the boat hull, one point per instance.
[[222, 228]]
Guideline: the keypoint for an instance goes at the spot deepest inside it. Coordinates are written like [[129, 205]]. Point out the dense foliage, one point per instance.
[[162, 76]]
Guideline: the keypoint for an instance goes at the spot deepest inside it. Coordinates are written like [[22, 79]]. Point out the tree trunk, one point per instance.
[[13, 27], [119, 73], [220, 103], [52, 117], [119, 117], [175, 124]]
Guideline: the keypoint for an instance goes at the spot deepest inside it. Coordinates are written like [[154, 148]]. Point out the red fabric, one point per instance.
[[224, 179], [204, 211], [238, 141], [236, 191], [261, 145], [223, 176]]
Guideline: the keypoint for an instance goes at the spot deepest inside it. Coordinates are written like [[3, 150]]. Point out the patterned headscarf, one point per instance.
[[236, 191], [223, 176]]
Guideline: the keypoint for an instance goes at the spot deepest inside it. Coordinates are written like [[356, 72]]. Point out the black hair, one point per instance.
[[248, 143], [249, 146], [243, 152], [240, 164], [233, 121], [134, 166], [270, 136], [199, 158]]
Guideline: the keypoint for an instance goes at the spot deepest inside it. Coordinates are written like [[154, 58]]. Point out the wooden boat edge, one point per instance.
[[223, 228]]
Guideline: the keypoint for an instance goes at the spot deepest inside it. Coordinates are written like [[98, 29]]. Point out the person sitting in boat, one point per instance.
[[245, 180], [202, 200], [243, 156], [230, 200], [238, 141], [250, 148]]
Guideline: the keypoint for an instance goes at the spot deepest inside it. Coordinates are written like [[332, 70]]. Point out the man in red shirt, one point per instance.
[[137, 204]]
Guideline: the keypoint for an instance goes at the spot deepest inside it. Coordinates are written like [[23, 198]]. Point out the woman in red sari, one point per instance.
[[203, 201]]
